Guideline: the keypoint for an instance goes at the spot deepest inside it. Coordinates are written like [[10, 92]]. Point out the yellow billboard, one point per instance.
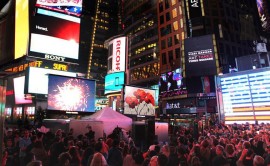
[[21, 28]]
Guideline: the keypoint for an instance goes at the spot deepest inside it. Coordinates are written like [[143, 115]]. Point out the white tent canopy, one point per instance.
[[111, 119]]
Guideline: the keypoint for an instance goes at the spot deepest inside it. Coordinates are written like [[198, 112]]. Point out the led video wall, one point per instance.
[[114, 82], [246, 96], [264, 14], [71, 94], [54, 36], [200, 56], [172, 83], [73, 7], [139, 101]]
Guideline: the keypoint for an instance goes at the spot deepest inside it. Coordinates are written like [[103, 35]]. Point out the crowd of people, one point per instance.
[[215, 145]]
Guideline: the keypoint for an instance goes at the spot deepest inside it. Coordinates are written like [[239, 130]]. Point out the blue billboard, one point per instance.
[[114, 82]]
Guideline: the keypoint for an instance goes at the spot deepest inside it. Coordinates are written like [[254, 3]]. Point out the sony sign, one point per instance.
[[119, 54], [54, 58]]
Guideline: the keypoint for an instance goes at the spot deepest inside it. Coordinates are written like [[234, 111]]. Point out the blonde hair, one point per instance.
[[98, 160]]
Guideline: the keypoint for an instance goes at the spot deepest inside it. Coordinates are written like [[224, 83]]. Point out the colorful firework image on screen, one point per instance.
[[71, 94]]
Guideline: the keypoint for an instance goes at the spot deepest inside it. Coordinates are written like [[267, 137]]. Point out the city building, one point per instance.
[[202, 39]]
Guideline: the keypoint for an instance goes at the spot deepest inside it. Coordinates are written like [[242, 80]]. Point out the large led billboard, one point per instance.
[[139, 101], [21, 28], [71, 94], [54, 36], [117, 54], [264, 13], [200, 56], [114, 82], [172, 83], [246, 96], [73, 7], [37, 79], [20, 97]]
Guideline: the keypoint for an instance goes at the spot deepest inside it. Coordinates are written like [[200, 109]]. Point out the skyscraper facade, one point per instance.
[[102, 23], [139, 23]]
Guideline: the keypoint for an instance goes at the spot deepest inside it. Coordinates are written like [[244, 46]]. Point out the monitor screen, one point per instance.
[[71, 94]]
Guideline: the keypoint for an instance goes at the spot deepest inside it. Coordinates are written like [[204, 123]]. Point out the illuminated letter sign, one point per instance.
[[119, 53], [54, 58]]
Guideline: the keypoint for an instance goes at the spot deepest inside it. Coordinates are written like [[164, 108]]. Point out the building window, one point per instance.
[[161, 19], [175, 26], [167, 4], [160, 6], [173, 2], [163, 44], [176, 39], [168, 16], [164, 59], [169, 42], [177, 53], [174, 13], [170, 56]]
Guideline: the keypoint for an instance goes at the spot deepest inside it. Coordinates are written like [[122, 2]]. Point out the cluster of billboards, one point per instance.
[[246, 96]]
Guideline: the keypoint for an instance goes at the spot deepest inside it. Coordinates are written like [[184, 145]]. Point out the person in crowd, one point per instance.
[[89, 151], [219, 159], [98, 160], [40, 153], [55, 150], [24, 142], [12, 153], [230, 154], [64, 159], [115, 156], [75, 156], [90, 134], [258, 160]]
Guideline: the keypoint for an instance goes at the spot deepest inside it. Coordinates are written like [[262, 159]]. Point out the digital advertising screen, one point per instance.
[[37, 79], [200, 59], [139, 101], [194, 8], [172, 83], [117, 51], [73, 7], [21, 28], [54, 36], [114, 82], [264, 14], [71, 94], [246, 96], [20, 97]]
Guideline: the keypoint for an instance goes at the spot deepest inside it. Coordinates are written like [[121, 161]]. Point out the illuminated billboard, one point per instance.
[[117, 54], [37, 79], [139, 101], [71, 94], [194, 8], [73, 7], [172, 83], [20, 97], [21, 28], [55, 36], [246, 96], [200, 56], [114, 82], [264, 14]]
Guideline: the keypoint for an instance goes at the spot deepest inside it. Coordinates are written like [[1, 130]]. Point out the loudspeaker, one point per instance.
[[138, 134], [150, 132]]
